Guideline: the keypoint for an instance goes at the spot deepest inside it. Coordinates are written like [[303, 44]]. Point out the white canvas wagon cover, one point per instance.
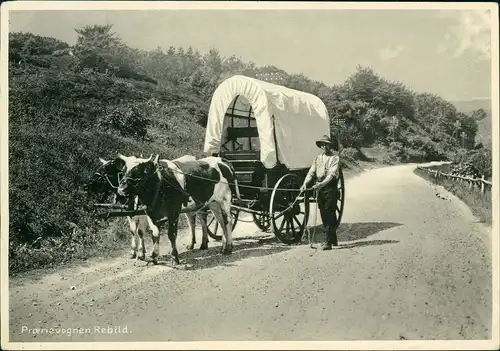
[[299, 119]]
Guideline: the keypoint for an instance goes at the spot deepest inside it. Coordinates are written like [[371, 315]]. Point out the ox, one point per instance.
[[164, 187], [105, 181]]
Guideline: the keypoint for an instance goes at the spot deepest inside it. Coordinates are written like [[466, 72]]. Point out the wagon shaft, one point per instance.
[[130, 213], [119, 207], [192, 208]]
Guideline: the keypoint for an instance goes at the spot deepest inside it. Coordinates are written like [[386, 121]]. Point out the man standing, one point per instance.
[[325, 172]]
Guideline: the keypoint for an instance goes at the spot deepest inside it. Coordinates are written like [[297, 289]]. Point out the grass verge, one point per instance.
[[479, 203]]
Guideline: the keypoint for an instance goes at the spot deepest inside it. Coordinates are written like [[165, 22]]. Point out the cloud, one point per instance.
[[469, 32], [390, 53]]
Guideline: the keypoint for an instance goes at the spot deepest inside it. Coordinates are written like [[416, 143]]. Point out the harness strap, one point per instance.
[[108, 180], [179, 188], [184, 179], [158, 187]]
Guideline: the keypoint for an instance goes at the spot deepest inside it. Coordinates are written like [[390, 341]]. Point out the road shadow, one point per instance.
[[367, 243], [268, 244], [243, 248], [353, 231]]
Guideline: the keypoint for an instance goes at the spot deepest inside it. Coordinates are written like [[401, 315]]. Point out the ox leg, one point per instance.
[[133, 244], [204, 228], [141, 230], [228, 221], [217, 211], [191, 219], [156, 241], [142, 249], [172, 236]]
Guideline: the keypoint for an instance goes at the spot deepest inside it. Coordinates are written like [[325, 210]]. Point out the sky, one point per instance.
[[445, 52]]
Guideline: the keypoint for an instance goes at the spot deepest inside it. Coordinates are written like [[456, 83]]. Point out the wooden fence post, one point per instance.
[[482, 184]]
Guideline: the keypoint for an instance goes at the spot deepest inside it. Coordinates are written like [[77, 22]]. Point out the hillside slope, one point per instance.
[[484, 131]]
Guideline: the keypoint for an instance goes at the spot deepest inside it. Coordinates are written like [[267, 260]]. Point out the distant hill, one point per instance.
[[483, 134], [473, 104]]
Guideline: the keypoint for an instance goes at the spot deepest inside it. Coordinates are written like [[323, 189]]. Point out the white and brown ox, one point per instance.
[[105, 181], [165, 186]]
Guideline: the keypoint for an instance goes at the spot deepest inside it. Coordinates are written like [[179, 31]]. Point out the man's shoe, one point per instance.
[[326, 246]]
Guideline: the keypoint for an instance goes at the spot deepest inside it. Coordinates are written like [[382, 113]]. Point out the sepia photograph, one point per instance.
[[249, 175]]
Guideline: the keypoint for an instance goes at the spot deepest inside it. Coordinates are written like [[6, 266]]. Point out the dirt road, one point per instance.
[[412, 265]]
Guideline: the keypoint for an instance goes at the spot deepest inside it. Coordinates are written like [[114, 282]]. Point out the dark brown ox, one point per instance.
[[165, 186]]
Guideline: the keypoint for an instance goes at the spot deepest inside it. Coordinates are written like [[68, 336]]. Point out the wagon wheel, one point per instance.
[[340, 198], [262, 220], [214, 228], [289, 214]]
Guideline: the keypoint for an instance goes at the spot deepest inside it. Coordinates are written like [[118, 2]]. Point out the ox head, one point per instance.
[[106, 178], [138, 173]]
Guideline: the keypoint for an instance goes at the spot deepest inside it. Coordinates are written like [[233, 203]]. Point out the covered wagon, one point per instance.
[[267, 132]]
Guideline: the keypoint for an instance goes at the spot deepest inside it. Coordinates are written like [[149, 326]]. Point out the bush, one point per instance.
[[482, 160], [390, 158], [397, 148], [128, 120], [412, 155], [351, 154]]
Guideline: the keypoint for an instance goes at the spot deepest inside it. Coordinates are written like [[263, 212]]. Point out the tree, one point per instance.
[[432, 110], [457, 126], [362, 85], [394, 98], [213, 60], [99, 49], [468, 126], [478, 114], [97, 38], [171, 51]]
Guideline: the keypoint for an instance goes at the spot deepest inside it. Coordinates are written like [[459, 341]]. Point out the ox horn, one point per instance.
[[124, 158], [103, 161]]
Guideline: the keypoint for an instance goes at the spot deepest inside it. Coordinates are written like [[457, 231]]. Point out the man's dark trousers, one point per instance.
[[327, 203]]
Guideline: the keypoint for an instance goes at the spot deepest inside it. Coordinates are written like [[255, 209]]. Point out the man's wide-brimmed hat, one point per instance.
[[324, 140]]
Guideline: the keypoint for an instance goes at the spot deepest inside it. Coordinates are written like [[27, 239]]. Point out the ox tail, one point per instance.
[[232, 180]]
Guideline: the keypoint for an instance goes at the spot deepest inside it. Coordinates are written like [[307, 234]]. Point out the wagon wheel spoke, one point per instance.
[[291, 225], [280, 214], [298, 222], [282, 224], [211, 221]]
